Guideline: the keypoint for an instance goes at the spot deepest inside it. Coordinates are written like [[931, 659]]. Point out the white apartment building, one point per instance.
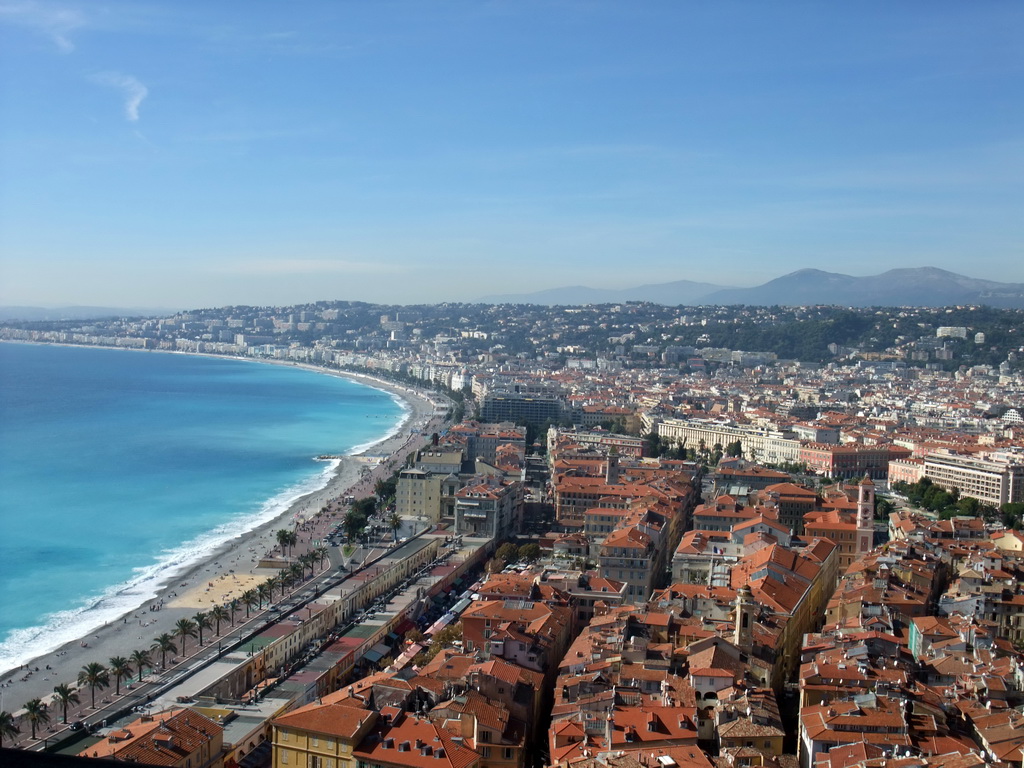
[[996, 480]]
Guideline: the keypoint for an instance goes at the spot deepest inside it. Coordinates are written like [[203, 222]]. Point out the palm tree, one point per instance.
[[395, 524], [297, 570], [354, 524], [120, 668], [308, 560], [271, 583], [95, 675], [184, 628], [141, 660], [283, 536], [202, 621], [36, 713], [265, 591], [164, 643], [66, 694], [251, 597], [233, 609], [321, 555], [8, 726], [293, 539], [218, 614], [285, 579]]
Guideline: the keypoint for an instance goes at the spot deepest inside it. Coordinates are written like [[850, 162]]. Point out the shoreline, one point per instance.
[[232, 566]]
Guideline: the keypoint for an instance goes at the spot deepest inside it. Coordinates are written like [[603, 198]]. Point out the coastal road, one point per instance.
[[314, 530], [138, 697]]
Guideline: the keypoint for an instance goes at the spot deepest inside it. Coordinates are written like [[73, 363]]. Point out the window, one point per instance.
[[285, 736], [284, 757], [508, 753], [485, 752]]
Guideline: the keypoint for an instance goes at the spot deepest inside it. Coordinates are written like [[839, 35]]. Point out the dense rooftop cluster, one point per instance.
[[698, 542]]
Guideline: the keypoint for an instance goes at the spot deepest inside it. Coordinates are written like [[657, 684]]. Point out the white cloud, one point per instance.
[[56, 22], [134, 91]]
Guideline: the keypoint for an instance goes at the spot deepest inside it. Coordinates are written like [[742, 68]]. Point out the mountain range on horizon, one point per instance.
[[907, 287]]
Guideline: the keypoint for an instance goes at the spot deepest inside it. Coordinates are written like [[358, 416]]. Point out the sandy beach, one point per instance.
[[241, 564]]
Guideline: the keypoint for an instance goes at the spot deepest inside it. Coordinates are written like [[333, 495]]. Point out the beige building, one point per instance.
[[321, 735], [758, 443]]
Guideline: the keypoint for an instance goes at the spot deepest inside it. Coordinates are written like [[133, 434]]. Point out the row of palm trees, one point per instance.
[[96, 676]]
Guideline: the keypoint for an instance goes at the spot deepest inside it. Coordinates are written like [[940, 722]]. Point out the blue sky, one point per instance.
[[169, 154]]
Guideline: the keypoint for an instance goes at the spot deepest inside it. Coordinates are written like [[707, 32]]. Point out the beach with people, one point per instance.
[[210, 587]]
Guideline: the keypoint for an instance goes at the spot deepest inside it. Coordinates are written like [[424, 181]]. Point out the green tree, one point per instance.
[[8, 726], [716, 457], [272, 584], [386, 489], [365, 507], [284, 537], [968, 505], [37, 714], [413, 635], [164, 644], [120, 668], [219, 614], [322, 554], [184, 628], [1011, 514], [529, 553], [265, 591], [283, 581], [66, 695], [395, 524], [507, 552], [354, 524], [95, 675], [883, 508], [447, 635], [734, 448], [250, 598], [202, 621], [141, 660]]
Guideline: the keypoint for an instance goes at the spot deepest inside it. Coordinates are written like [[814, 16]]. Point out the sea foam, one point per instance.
[[96, 611]]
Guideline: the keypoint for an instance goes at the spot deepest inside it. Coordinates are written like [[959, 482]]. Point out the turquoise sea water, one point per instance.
[[120, 469]]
